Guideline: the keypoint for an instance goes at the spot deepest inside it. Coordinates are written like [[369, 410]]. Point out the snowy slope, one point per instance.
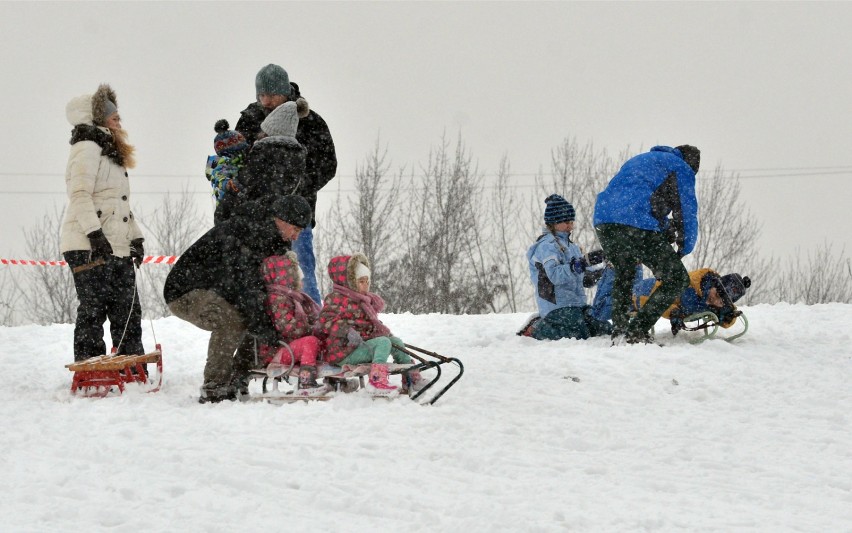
[[748, 436]]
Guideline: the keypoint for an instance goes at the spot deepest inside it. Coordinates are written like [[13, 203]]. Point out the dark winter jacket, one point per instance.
[[275, 167], [649, 188], [313, 134], [227, 259]]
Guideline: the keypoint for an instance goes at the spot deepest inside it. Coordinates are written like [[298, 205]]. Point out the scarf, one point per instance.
[[115, 147], [300, 302], [371, 303]]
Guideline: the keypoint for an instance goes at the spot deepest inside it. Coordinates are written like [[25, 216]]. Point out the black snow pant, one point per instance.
[[105, 291], [625, 247]]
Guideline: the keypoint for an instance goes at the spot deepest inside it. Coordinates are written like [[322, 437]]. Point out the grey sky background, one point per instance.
[[761, 88]]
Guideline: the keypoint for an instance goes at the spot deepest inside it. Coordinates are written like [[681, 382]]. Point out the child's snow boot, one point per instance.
[[378, 384], [308, 385], [529, 326], [412, 382]]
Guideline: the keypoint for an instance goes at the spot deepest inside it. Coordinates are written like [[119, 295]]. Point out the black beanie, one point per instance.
[[293, 210], [735, 285], [691, 155]]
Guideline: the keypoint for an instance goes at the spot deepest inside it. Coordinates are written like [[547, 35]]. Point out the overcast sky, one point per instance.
[[761, 88]]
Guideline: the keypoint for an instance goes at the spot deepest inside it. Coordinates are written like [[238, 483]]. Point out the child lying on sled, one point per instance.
[[707, 291], [295, 316]]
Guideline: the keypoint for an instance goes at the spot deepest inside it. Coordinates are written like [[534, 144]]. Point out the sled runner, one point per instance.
[[708, 323], [350, 378], [97, 375]]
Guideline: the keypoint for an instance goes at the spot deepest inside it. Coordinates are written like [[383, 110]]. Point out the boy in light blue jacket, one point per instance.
[[559, 272]]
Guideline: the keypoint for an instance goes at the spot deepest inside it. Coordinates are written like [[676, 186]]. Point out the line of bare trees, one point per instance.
[[444, 239]]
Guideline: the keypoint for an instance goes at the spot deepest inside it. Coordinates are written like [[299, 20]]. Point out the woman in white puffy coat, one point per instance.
[[100, 239]]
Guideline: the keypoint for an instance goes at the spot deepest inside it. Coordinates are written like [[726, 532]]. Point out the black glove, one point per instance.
[[727, 315], [579, 265], [137, 251], [596, 257], [670, 233], [101, 248], [677, 324]]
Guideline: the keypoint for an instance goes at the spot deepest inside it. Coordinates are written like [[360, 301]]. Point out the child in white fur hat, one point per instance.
[[354, 334]]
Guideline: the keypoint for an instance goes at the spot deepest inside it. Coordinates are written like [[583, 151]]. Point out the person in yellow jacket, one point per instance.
[[707, 291]]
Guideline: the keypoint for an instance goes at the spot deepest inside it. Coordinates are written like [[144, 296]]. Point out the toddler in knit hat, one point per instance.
[[223, 167]]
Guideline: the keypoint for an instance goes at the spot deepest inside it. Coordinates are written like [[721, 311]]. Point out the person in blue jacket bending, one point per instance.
[[559, 272], [648, 205]]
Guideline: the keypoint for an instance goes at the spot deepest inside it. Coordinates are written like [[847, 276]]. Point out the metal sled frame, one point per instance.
[[97, 375], [708, 323], [349, 379]]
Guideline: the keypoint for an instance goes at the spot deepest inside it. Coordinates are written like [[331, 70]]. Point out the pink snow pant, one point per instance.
[[305, 350]]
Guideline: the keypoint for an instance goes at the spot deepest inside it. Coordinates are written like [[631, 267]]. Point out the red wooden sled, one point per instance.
[[97, 375]]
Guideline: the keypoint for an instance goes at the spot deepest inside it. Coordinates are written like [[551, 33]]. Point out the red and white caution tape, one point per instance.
[[156, 259]]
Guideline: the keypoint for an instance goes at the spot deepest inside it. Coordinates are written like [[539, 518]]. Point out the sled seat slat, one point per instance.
[[113, 362], [97, 375]]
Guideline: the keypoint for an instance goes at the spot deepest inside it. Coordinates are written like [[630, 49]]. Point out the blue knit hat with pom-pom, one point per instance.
[[558, 210], [228, 143]]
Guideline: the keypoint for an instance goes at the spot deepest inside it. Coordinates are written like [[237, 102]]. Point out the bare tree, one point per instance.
[[170, 229], [822, 277], [578, 173], [441, 266], [10, 295], [507, 241], [369, 222], [728, 234], [48, 295]]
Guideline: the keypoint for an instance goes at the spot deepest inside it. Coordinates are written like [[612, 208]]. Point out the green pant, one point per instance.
[[377, 350], [212, 313], [625, 247], [570, 322]]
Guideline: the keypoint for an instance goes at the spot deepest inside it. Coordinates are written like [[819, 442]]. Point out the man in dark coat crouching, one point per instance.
[[216, 284]]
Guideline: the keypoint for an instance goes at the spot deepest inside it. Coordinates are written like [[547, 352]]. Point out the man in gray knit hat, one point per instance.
[[272, 88]]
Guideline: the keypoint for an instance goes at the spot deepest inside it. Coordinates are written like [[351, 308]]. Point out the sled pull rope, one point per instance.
[[150, 320]]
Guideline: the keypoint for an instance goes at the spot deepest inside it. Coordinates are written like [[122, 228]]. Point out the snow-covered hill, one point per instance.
[[747, 436]]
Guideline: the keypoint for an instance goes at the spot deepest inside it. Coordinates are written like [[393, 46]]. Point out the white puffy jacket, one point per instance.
[[98, 192]]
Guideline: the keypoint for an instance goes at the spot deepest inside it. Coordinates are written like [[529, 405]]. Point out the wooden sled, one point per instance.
[[96, 376]]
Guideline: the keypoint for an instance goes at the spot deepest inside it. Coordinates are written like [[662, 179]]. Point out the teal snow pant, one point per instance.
[[377, 350], [570, 322]]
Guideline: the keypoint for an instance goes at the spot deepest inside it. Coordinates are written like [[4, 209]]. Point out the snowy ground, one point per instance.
[[747, 436]]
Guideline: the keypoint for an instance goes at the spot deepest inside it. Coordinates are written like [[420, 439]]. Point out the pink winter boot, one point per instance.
[[378, 383]]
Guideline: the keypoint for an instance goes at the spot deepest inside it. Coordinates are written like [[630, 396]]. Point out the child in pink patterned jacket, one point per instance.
[[353, 332], [295, 316]]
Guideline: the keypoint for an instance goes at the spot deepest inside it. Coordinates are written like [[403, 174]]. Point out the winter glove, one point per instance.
[[677, 324], [670, 233], [596, 257], [101, 248], [353, 338], [590, 277], [137, 251], [727, 315], [579, 265]]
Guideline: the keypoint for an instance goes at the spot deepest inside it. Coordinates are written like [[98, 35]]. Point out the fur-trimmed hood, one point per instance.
[[90, 109], [341, 269], [281, 270]]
